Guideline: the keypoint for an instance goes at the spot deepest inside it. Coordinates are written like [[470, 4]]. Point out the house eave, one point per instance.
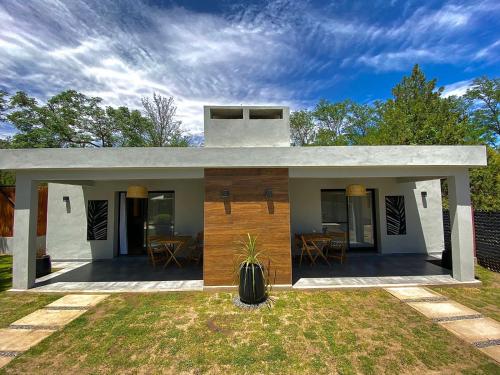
[[243, 157]]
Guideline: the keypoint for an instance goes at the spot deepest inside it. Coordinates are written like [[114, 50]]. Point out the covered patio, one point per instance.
[[121, 274], [373, 270]]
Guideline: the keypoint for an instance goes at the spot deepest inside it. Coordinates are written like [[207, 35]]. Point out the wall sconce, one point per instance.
[[268, 193], [224, 194], [68, 204], [424, 198]]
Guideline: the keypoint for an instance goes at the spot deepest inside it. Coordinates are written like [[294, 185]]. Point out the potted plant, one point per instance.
[[252, 281], [43, 264]]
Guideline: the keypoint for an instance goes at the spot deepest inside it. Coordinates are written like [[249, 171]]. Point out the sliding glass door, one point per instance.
[[140, 219], [361, 228], [354, 215], [160, 214]]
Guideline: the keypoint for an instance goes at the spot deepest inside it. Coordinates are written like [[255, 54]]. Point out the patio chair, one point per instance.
[[313, 251], [337, 247], [156, 251], [196, 254]]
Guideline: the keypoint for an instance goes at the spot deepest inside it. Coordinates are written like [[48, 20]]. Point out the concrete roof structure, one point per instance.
[[242, 157]]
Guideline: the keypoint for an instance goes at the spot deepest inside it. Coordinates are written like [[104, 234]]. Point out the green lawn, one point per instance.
[[14, 306], [485, 299], [367, 332]]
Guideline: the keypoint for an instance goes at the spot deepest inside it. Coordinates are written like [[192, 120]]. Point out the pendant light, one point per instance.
[[355, 190], [137, 191]]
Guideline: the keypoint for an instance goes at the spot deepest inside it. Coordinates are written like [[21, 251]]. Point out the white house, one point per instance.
[[246, 179]]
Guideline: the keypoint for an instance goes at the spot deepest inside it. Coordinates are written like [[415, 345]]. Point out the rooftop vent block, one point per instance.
[[266, 114], [226, 113]]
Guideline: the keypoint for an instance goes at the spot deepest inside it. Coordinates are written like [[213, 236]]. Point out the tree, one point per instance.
[[302, 128], [418, 114], [332, 120], [485, 184], [164, 129], [131, 124], [3, 105], [362, 120], [72, 119], [484, 96]]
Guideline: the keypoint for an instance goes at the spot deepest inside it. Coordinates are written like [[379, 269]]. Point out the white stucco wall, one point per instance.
[[67, 231], [424, 232]]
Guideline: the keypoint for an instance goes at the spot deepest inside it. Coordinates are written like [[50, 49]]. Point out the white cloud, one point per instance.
[[457, 89], [278, 52]]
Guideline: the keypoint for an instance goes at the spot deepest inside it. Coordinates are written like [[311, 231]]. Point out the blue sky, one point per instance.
[[225, 52]]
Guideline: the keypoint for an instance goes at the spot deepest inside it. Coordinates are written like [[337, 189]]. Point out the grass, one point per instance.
[[345, 332], [14, 306], [485, 299]]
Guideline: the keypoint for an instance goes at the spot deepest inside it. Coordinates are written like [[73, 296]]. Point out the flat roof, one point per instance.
[[243, 157]]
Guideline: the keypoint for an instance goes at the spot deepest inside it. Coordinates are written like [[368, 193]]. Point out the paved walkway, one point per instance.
[[33, 328], [468, 324], [376, 282]]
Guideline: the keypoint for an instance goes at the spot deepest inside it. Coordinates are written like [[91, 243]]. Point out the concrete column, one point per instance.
[[25, 227], [462, 241]]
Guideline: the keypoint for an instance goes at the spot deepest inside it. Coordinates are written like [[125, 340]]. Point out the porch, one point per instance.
[[122, 274], [135, 274], [374, 270]]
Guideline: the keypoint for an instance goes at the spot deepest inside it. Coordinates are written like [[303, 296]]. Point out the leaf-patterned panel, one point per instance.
[[395, 214], [97, 220]]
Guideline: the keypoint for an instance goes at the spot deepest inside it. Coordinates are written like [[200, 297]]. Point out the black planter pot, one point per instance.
[[252, 287], [43, 266]]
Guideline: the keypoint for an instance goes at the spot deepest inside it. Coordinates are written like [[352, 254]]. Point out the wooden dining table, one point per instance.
[[173, 245]]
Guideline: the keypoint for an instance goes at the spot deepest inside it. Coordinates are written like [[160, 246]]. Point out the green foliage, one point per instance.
[[72, 119], [333, 124], [485, 184], [332, 120], [418, 114], [485, 96], [248, 253], [302, 128], [4, 105]]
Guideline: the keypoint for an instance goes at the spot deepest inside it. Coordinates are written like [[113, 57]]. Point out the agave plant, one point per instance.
[[252, 279]]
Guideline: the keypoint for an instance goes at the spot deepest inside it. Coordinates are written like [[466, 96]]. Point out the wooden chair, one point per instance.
[[337, 247], [156, 251], [311, 248], [196, 248]]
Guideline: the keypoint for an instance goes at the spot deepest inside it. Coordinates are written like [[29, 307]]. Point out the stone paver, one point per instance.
[[5, 360], [78, 300], [412, 293], [48, 318], [493, 352], [468, 324], [474, 330], [33, 328], [446, 309], [20, 340]]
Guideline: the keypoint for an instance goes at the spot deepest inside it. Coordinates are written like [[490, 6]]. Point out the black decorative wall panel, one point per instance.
[[97, 220], [395, 214]]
